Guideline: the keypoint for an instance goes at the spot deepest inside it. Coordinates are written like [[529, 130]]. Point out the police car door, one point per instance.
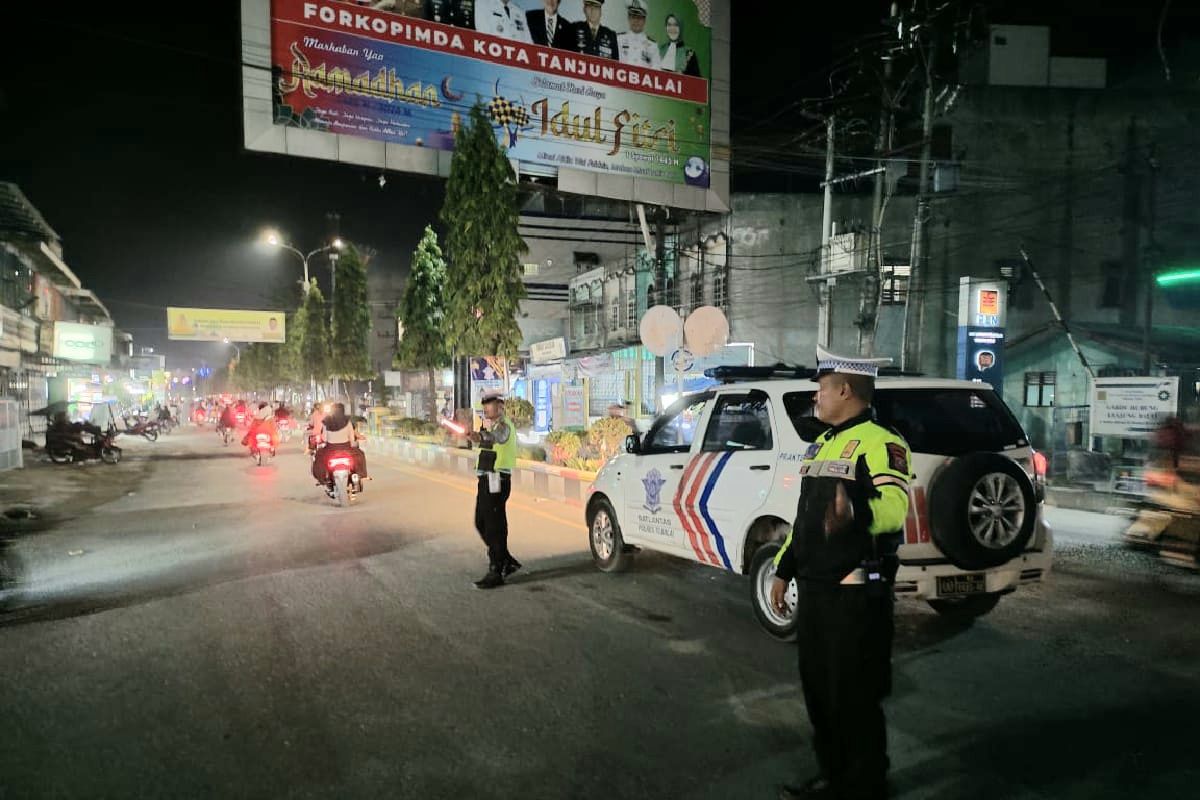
[[733, 474], [652, 513]]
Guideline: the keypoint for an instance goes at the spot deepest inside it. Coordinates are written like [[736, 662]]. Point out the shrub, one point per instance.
[[519, 412], [532, 453], [607, 437], [562, 446]]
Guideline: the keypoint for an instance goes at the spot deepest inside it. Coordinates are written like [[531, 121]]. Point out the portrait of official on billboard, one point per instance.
[[619, 87]]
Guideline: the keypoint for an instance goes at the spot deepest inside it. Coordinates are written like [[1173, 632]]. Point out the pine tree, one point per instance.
[[483, 247], [351, 318], [422, 313]]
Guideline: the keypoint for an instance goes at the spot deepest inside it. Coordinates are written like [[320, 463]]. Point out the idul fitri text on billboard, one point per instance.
[[636, 107]]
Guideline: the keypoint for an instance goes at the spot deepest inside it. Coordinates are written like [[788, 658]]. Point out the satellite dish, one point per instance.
[[706, 330], [661, 330]]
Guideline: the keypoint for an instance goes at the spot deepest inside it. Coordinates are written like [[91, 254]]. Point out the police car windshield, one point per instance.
[[937, 421]]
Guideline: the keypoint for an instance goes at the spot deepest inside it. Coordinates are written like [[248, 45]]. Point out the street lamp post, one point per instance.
[[332, 248]]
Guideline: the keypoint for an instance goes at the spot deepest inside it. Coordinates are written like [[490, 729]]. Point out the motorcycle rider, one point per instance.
[[315, 420], [339, 435], [226, 421], [264, 422]]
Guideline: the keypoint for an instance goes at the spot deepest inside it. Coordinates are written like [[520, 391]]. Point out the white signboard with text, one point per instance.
[[1132, 408]]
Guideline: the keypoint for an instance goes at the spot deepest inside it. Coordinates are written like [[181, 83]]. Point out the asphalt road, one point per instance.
[[208, 628]]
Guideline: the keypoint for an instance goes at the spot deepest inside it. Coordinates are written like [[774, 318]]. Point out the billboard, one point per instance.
[[589, 90], [219, 324], [75, 341]]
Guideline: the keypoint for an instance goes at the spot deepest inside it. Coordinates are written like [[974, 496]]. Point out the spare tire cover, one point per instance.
[[982, 510]]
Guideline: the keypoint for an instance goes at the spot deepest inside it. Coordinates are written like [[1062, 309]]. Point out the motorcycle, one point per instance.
[[1168, 519], [226, 434], [142, 427], [64, 448], [342, 483], [261, 449], [285, 429]]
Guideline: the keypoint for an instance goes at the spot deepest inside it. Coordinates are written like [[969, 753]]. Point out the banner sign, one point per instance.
[[1132, 408], [572, 408], [600, 97], [219, 324]]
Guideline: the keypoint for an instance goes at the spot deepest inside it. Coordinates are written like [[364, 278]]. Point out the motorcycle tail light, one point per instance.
[[334, 463], [263, 438]]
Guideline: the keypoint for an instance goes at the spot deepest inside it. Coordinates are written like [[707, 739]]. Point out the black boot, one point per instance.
[[510, 566], [493, 579], [817, 787]]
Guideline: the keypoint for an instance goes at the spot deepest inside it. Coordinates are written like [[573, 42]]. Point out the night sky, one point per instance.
[[124, 129]]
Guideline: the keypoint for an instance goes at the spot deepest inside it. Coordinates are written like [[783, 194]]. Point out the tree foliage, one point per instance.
[[310, 353], [351, 318], [422, 312], [483, 247]]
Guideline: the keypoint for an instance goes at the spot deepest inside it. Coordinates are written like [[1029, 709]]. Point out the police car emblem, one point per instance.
[[653, 482]]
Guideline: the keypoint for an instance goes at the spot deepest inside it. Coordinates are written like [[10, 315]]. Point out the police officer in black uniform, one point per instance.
[[593, 39], [842, 554]]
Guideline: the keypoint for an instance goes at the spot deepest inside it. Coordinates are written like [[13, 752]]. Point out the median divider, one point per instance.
[[530, 477]]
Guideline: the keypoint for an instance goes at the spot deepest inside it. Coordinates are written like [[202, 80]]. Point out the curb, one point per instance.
[[563, 485]]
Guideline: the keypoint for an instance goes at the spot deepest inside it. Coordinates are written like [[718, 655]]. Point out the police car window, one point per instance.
[[949, 421], [739, 422], [799, 408], [676, 428]]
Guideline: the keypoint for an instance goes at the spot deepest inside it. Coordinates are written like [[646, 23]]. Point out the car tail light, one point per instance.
[[1039, 465], [334, 463]]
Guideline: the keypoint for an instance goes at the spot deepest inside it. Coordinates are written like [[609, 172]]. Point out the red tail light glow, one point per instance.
[[334, 463], [1039, 464]]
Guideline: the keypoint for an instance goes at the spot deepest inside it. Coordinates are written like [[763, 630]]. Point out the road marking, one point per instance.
[[460, 488]]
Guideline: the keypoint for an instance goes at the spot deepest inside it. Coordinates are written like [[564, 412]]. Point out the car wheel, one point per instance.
[[965, 609], [762, 576], [604, 536], [982, 510]]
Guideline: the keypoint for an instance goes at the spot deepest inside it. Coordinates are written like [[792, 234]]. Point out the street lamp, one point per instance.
[[275, 240]]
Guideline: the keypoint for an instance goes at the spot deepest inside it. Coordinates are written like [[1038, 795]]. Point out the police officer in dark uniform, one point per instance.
[[497, 458], [842, 554], [593, 39]]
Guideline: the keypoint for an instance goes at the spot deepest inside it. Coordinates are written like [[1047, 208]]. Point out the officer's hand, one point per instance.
[[779, 589]]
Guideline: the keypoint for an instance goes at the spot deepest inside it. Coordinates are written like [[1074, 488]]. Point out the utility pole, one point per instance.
[[1151, 256], [914, 308], [660, 293], [825, 297], [868, 311]]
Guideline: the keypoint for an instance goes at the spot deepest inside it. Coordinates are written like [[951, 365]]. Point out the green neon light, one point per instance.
[[1183, 276]]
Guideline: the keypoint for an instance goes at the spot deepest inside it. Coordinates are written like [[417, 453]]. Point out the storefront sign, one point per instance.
[[572, 406], [541, 405], [77, 342], [1132, 408], [549, 350]]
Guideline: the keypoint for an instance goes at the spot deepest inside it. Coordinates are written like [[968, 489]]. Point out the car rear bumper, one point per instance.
[[920, 580]]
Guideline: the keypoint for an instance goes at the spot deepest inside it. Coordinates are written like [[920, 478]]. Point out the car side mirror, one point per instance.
[[633, 444]]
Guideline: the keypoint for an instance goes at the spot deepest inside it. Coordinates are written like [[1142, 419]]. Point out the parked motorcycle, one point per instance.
[[142, 427], [64, 448], [261, 449]]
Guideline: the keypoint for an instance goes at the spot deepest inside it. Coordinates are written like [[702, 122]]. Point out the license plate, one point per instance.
[[950, 585]]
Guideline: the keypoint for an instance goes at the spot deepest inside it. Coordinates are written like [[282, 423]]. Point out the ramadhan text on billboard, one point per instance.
[[600, 97]]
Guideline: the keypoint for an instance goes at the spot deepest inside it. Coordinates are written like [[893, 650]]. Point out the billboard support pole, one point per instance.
[[660, 287]]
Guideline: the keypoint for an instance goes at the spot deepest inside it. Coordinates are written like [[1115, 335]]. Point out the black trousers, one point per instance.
[[491, 519], [845, 640]]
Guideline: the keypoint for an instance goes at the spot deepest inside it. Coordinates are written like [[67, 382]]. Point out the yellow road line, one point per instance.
[[457, 486]]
